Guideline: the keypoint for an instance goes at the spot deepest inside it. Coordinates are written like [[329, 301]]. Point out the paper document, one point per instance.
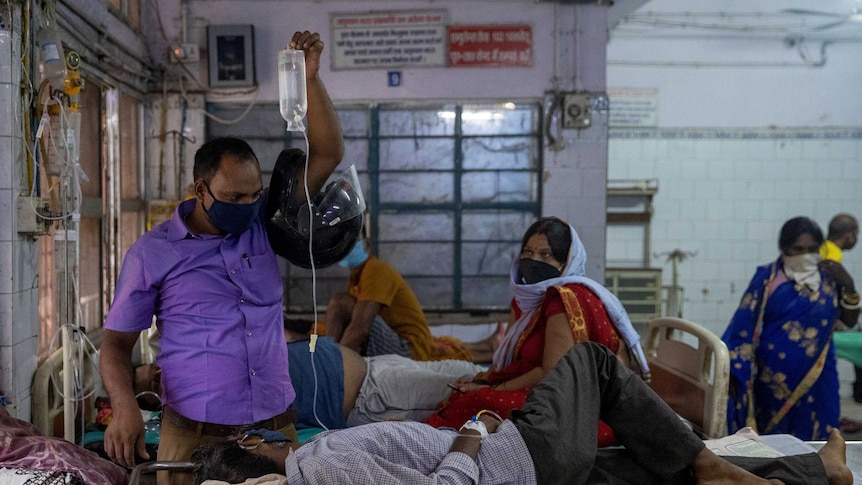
[[745, 442]]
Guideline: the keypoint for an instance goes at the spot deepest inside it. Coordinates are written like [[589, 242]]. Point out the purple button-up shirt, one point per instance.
[[218, 307]]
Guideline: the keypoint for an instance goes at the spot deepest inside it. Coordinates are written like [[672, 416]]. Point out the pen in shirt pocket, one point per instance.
[[245, 257]]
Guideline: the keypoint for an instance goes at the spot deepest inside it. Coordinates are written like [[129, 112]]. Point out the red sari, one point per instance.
[[588, 320]]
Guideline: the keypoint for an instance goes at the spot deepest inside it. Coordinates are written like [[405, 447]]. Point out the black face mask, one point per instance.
[[531, 271], [230, 217]]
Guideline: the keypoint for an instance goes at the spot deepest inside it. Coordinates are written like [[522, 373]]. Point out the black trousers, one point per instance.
[[559, 425]]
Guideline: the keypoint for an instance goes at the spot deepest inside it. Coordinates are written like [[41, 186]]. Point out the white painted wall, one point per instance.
[[275, 21], [738, 150], [792, 96]]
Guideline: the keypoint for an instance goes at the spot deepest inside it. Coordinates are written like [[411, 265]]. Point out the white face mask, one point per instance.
[[803, 269]]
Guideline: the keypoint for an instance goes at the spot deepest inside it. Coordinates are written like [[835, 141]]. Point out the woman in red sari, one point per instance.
[[554, 307]]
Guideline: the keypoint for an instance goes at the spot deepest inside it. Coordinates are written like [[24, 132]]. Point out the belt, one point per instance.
[[212, 429]]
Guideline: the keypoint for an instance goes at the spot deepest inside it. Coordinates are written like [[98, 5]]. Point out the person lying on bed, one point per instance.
[[552, 439], [23, 447], [353, 390]]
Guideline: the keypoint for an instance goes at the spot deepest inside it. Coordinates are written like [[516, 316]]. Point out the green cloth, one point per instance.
[[306, 434], [848, 345]]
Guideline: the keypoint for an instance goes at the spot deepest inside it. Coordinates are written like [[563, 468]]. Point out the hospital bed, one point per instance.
[[48, 409], [36, 452], [690, 369], [145, 473]]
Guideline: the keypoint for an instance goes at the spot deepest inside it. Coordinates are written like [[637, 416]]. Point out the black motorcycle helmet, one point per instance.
[[335, 219]]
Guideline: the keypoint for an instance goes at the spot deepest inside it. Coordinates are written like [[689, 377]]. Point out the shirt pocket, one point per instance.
[[261, 279]]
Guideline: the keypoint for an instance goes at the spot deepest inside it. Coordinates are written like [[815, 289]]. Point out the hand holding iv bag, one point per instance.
[[292, 95]]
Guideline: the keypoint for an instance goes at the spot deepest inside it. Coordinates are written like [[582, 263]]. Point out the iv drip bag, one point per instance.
[[53, 58], [292, 95]]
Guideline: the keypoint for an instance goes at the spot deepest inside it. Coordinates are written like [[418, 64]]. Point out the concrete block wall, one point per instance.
[[724, 193]]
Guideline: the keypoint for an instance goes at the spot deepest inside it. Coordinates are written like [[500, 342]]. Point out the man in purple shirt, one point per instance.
[[551, 440], [210, 277]]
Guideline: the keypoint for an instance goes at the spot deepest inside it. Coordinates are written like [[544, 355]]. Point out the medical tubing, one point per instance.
[[313, 341], [489, 412]]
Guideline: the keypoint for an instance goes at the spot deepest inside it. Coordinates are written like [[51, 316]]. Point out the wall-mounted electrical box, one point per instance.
[[184, 53], [30, 212], [577, 110], [231, 55]]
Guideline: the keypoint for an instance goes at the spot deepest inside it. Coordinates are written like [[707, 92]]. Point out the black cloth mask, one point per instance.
[[531, 271]]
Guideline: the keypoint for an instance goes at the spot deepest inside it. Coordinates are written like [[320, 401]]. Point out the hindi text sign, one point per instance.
[[490, 45], [380, 40]]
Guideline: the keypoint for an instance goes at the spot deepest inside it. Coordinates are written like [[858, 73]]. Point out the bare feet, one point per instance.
[[499, 333], [709, 469], [834, 458], [483, 350]]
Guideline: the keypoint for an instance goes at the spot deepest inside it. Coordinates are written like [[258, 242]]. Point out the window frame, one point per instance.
[[334, 278]]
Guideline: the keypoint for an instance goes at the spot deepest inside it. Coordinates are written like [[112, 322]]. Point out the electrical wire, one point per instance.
[[71, 172], [187, 73], [215, 118]]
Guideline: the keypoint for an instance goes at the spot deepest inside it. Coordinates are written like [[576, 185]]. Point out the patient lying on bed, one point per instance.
[[354, 390], [25, 449], [550, 440]]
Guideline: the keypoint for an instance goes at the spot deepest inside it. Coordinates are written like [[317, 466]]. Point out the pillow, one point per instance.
[[17, 476]]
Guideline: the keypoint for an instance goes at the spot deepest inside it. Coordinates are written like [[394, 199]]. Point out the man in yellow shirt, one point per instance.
[[380, 314], [843, 233]]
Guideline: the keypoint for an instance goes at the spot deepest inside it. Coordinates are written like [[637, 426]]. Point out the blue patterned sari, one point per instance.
[[790, 383]]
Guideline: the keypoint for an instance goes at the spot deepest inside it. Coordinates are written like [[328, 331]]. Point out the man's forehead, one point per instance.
[[245, 177]]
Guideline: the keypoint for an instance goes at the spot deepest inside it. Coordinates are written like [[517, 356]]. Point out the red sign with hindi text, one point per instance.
[[490, 46]]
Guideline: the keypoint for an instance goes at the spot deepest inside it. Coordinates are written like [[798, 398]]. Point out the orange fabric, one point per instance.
[[321, 328], [375, 280], [588, 320], [446, 348]]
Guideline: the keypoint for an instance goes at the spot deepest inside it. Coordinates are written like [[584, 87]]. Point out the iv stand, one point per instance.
[[673, 305]]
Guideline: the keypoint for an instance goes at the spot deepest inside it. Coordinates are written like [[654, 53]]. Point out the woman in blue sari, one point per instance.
[[783, 370]]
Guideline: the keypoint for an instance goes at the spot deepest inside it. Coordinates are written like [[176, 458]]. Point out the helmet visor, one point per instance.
[[342, 199]]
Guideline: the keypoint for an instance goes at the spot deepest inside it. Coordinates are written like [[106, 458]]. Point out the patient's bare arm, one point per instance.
[[469, 441], [356, 333]]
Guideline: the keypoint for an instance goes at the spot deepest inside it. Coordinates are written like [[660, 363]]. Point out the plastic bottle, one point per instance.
[[292, 95], [53, 57]]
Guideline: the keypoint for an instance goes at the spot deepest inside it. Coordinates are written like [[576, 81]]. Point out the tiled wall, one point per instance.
[[724, 194], [18, 254]]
